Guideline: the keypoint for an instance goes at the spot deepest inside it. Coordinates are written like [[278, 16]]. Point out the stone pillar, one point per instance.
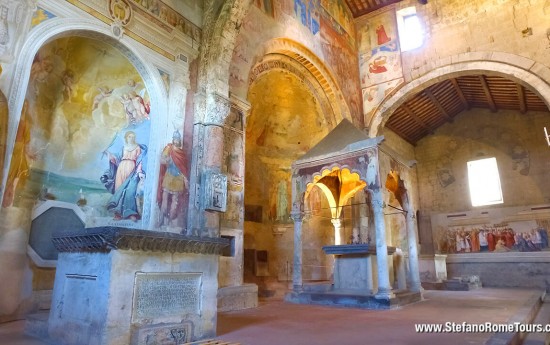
[[384, 288], [399, 267], [208, 137], [414, 273], [297, 281], [337, 222]]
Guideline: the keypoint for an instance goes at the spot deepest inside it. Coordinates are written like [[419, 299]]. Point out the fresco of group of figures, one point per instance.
[[84, 132], [497, 238]]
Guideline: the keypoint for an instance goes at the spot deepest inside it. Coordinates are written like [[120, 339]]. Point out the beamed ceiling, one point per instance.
[[361, 7], [422, 114], [440, 103]]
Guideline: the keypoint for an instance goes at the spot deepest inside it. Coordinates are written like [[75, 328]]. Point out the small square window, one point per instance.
[[411, 33], [484, 182]]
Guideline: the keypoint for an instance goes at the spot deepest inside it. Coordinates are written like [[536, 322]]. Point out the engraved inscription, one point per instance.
[[166, 294]]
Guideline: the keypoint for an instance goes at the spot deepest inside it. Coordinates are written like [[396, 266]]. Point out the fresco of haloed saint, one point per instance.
[[379, 55], [84, 131]]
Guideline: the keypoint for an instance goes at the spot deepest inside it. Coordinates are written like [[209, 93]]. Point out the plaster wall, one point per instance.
[[309, 23], [163, 75], [509, 136]]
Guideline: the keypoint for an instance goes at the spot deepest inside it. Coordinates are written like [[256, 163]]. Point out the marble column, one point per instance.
[[297, 281], [384, 288], [414, 273], [337, 223], [208, 138]]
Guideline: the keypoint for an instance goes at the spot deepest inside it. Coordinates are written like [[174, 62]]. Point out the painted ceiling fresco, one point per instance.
[[86, 108]]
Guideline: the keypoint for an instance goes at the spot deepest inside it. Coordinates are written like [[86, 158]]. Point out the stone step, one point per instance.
[[36, 325], [543, 318]]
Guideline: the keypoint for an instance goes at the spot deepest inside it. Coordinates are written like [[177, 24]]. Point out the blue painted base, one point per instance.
[[350, 299]]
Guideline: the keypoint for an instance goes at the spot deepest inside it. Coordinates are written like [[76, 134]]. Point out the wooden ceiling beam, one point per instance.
[[521, 98], [416, 119], [487, 92], [460, 94], [438, 105]]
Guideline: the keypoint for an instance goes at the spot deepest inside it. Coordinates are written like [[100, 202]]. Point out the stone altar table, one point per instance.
[[353, 284], [353, 269], [117, 286]]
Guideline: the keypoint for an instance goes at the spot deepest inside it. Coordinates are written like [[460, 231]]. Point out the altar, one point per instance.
[[345, 163]]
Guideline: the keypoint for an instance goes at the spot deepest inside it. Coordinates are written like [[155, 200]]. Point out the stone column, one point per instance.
[[384, 288], [414, 273], [337, 222], [208, 137], [297, 281], [399, 267]]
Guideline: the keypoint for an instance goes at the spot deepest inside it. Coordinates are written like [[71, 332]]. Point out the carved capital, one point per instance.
[[217, 109], [297, 216]]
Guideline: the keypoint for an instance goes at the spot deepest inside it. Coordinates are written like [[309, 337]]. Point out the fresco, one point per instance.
[[503, 237], [266, 6], [307, 12], [373, 95], [340, 15], [340, 55], [41, 15], [234, 169], [165, 17], [173, 191], [84, 131]]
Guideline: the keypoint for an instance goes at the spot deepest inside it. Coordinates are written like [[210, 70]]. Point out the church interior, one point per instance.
[[173, 170]]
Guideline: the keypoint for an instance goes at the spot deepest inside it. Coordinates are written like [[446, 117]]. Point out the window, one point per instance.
[[484, 182], [411, 33]]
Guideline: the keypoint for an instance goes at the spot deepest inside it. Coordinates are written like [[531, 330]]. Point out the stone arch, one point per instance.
[[513, 67], [319, 76], [222, 26], [64, 27]]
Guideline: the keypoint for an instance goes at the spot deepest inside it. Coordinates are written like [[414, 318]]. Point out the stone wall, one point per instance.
[[515, 140]]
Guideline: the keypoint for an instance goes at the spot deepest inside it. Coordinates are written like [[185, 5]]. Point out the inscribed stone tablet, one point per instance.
[[166, 294]]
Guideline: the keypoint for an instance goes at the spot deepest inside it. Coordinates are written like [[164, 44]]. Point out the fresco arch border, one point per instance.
[[138, 56], [317, 70]]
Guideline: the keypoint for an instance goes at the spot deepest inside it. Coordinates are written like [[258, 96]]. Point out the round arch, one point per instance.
[[65, 27], [320, 79], [527, 77]]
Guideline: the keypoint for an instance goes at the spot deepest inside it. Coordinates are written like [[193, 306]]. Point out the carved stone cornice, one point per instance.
[[212, 108], [239, 104], [105, 239]]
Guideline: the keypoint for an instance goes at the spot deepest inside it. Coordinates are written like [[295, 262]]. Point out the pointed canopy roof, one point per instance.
[[344, 138]]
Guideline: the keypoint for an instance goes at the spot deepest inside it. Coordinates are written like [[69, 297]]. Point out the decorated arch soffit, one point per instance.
[[338, 184], [285, 54], [531, 74]]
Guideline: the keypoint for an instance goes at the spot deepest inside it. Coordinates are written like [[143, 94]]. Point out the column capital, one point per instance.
[[297, 216], [211, 108], [337, 222]]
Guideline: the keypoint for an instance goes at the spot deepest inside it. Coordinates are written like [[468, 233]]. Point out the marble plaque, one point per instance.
[[166, 294]]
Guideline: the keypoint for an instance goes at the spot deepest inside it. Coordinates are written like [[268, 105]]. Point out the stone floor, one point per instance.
[[277, 322]]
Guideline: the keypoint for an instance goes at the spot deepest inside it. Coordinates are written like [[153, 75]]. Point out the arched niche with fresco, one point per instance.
[[84, 132]]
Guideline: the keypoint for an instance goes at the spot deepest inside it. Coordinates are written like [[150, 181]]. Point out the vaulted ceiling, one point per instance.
[[438, 104]]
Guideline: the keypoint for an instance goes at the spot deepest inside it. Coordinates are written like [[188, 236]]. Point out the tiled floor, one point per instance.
[[276, 322]]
